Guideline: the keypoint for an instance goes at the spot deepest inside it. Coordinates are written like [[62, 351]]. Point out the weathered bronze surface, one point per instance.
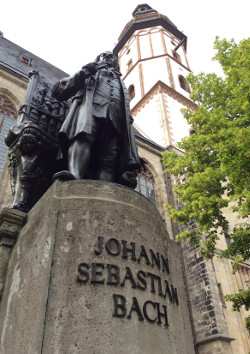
[[96, 137], [33, 143], [80, 128]]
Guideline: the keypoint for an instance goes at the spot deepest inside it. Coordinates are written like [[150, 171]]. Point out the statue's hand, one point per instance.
[[128, 179], [90, 68], [64, 81]]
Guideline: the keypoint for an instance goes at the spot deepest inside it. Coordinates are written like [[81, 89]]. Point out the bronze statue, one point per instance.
[[83, 123], [33, 143], [97, 137]]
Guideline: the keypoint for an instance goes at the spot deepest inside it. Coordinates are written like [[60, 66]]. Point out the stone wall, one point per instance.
[[13, 86], [205, 301]]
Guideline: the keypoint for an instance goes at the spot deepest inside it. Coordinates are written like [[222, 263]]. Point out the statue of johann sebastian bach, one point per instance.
[[97, 137]]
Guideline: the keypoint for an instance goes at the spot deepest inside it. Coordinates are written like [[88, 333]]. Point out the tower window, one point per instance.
[[129, 64], [145, 185], [176, 56], [131, 92], [184, 84]]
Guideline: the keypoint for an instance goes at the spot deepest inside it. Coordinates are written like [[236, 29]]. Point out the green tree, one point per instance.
[[216, 160]]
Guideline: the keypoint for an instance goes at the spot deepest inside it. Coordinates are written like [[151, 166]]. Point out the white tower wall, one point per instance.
[[149, 59]]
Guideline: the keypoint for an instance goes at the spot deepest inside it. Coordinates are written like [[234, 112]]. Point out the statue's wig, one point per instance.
[[116, 59]]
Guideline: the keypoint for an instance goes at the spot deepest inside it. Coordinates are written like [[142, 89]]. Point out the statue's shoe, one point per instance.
[[63, 176], [20, 206]]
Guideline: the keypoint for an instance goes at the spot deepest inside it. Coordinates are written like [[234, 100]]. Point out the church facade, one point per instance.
[[152, 54]]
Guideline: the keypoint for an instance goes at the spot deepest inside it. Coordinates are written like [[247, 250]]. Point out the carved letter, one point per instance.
[[155, 277], [83, 272], [99, 251], [145, 311], [129, 276], [119, 304], [95, 272], [143, 253], [140, 277], [115, 274], [110, 249], [135, 307], [165, 266], [160, 314], [126, 250], [155, 259], [167, 291], [174, 294]]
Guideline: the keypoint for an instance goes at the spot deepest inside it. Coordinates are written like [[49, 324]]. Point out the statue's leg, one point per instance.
[[108, 154], [79, 157]]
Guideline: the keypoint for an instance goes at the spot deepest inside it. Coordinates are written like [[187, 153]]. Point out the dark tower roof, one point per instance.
[[144, 17], [142, 8]]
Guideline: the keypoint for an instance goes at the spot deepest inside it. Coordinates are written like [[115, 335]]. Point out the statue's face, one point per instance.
[[27, 145], [108, 58]]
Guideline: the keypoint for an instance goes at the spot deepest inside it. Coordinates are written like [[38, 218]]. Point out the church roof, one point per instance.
[[19, 60], [145, 17]]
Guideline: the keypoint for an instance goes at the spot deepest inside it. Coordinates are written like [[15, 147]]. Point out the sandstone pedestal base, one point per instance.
[[11, 222], [93, 271]]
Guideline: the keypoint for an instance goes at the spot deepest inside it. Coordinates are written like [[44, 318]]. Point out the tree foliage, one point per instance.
[[239, 300], [216, 160]]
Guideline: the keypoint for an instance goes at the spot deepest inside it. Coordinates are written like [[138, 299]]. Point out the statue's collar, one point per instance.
[[110, 72], [113, 71]]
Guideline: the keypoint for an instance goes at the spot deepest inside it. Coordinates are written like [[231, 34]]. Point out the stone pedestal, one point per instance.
[[93, 271], [11, 222]]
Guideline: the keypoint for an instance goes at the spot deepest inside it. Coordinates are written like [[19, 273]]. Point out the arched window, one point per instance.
[[131, 92], [192, 131], [8, 115], [145, 185], [184, 84]]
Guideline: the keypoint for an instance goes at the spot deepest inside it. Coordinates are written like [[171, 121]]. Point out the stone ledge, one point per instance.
[[11, 222], [213, 338]]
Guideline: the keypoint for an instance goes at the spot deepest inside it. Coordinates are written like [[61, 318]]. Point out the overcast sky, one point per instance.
[[69, 34]]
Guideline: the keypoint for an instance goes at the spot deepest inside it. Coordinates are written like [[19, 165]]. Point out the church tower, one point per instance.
[[153, 61]]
